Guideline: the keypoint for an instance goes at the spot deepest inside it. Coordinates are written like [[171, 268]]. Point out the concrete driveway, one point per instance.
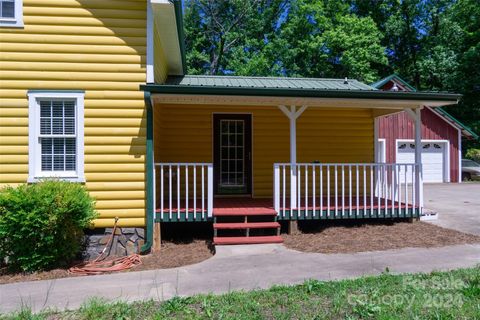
[[458, 205]]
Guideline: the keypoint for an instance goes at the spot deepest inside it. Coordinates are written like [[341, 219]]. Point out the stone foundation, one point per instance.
[[126, 241]]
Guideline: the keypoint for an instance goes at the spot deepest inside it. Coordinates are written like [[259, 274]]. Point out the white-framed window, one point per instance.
[[11, 13], [56, 134]]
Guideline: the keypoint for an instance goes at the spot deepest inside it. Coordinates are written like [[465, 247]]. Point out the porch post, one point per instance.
[[418, 157], [293, 158], [293, 114]]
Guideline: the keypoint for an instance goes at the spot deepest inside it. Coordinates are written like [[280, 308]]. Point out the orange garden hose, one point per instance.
[[100, 265]]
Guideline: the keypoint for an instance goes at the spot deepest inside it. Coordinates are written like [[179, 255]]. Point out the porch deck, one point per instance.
[[367, 208]]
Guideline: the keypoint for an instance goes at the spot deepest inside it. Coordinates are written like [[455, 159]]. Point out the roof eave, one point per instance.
[[289, 92]]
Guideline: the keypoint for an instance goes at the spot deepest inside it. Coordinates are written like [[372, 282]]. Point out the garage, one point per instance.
[[434, 158]]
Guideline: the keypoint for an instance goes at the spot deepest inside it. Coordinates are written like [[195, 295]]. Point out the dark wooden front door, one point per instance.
[[232, 147]]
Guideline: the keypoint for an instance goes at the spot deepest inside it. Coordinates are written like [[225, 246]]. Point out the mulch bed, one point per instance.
[[357, 237], [172, 254]]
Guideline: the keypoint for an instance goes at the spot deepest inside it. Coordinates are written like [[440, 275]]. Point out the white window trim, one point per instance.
[[34, 161], [17, 21]]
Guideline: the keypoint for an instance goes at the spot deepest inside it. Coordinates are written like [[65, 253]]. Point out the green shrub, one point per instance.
[[473, 154], [41, 224]]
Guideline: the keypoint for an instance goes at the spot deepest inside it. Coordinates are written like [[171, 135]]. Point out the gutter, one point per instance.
[[293, 92], [180, 32], [149, 175]]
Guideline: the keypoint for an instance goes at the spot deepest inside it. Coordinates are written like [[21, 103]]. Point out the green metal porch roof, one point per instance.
[[287, 87], [268, 83]]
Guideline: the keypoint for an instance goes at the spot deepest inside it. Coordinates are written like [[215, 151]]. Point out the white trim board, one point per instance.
[[34, 170], [446, 154], [17, 21]]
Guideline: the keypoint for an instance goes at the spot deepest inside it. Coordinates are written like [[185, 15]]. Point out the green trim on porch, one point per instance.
[[149, 163], [309, 215]]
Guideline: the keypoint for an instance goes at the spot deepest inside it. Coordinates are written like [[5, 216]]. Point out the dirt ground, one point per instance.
[[172, 254], [322, 237], [356, 237]]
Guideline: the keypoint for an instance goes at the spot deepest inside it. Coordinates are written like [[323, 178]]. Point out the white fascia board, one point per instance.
[[165, 25]]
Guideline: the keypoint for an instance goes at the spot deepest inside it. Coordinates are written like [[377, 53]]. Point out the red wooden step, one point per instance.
[[246, 225], [247, 240], [243, 212]]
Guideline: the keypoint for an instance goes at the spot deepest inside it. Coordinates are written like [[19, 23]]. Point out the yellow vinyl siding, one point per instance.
[[183, 133], [91, 45]]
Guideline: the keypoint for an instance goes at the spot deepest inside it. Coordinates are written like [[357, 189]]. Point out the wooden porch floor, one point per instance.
[[378, 208]]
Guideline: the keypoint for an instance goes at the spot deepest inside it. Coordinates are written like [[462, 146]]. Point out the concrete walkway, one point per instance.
[[457, 204], [232, 268]]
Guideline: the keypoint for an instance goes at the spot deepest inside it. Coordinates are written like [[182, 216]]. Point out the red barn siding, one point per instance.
[[401, 126]]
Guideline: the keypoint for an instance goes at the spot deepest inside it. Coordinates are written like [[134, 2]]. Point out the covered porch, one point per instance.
[[305, 151]]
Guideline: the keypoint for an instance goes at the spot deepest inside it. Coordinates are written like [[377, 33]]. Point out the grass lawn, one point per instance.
[[439, 295]]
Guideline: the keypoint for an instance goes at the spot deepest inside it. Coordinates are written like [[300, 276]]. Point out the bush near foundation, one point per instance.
[[41, 224]]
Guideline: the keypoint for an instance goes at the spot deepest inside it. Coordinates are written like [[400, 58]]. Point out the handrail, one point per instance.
[[184, 188], [347, 188]]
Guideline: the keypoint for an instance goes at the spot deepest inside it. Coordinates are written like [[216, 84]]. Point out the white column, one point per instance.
[[293, 115], [418, 157], [293, 159]]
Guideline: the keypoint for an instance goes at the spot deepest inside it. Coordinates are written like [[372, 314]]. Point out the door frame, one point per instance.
[[446, 153], [248, 162]]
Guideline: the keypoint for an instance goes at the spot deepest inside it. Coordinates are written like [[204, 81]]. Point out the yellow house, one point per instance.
[[95, 92]]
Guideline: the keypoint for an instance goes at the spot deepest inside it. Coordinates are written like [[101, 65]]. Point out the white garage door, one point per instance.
[[433, 155]]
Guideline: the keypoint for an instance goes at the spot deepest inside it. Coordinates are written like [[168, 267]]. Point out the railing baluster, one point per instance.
[[284, 189], [321, 191], [357, 184], [170, 190], [372, 168], [328, 190], [203, 191], [336, 191], [306, 191], [313, 192], [350, 189], [343, 190], [194, 192], [406, 190], [299, 186], [178, 191], [364, 190], [162, 190], [210, 190], [186, 192]]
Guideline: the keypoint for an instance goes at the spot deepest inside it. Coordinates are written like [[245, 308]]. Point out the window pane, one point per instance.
[[7, 9], [57, 126], [45, 126], [47, 147], [58, 163], [70, 146], [69, 126], [46, 163], [70, 163]]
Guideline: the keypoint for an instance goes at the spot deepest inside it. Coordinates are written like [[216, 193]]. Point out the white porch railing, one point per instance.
[[183, 189], [345, 190]]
